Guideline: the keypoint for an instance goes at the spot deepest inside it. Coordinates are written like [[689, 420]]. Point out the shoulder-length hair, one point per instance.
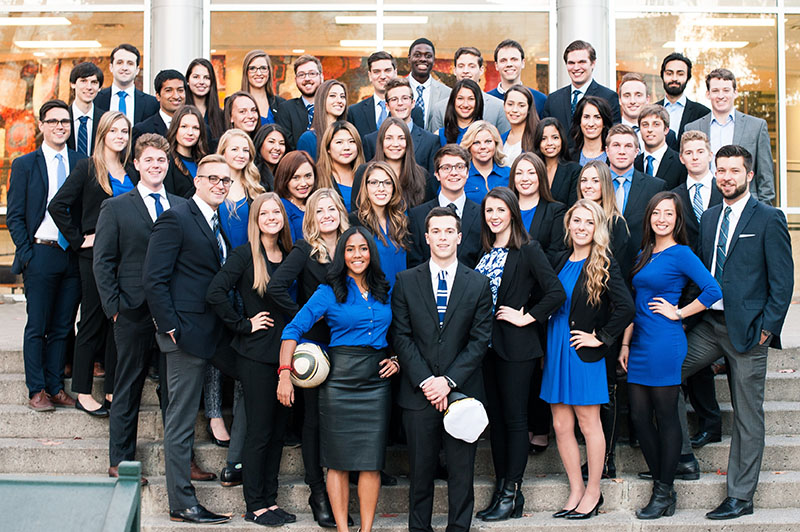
[[251, 55], [216, 119], [266, 170], [200, 148], [412, 176], [575, 129], [519, 233], [450, 116], [98, 157], [229, 106], [396, 219], [287, 168], [251, 181], [597, 266], [321, 122], [373, 275], [311, 232], [531, 120], [482, 125], [649, 236], [541, 175], [538, 135], [260, 271], [608, 200], [324, 160]]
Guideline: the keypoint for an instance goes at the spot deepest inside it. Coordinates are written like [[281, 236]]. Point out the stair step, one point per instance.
[[14, 391]]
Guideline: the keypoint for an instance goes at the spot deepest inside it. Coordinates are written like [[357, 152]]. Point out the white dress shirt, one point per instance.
[[450, 277], [733, 220], [76, 124], [657, 156], [47, 230], [165, 117], [705, 190], [150, 201], [459, 203], [130, 91], [634, 127], [582, 90], [426, 94], [209, 213]]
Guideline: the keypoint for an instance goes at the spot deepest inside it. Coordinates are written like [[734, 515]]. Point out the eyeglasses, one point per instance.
[[448, 168], [259, 69], [374, 183], [395, 99], [304, 75], [215, 180], [52, 122]]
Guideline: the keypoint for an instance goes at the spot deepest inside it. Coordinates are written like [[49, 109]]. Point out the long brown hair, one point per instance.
[[324, 160], [541, 175], [253, 54], [531, 121], [649, 236], [200, 148], [396, 219], [286, 169], [412, 176], [260, 271], [99, 163], [216, 119], [597, 265], [519, 234], [320, 122]]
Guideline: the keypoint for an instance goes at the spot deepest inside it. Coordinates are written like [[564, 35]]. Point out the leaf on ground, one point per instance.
[[617, 480], [541, 475], [50, 442], [780, 472], [787, 370], [77, 438], [721, 472], [389, 515]]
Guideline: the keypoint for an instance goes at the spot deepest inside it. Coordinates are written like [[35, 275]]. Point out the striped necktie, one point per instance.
[[61, 176], [218, 236], [310, 113], [575, 94], [722, 243], [441, 296], [697, 201], [83, 135]]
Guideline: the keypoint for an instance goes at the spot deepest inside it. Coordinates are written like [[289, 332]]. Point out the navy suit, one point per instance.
[[293, 117], [144, 105], [670, 169], [559, 103], [154, 124], [426, 144]]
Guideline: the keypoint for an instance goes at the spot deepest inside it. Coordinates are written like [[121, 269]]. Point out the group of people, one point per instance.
[[524, 250]]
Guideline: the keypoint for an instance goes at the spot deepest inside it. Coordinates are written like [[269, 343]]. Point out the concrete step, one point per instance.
[[782, 385], [14, 391]]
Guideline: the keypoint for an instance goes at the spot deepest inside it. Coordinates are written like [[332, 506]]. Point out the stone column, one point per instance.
[[587, 20], [176, 35]]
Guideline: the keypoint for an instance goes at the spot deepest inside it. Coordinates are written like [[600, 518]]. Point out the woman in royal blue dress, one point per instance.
[[654, 345], [295, 181], [579, 336], [355, 399]]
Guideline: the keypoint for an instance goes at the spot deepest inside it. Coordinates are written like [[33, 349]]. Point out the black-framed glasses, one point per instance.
[[260, 69], [379, 183], [215, 180], [395, 99], [447, 168], [53, 122]]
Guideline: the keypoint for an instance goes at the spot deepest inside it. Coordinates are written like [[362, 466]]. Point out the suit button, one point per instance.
[[572, 324], [440, 340]]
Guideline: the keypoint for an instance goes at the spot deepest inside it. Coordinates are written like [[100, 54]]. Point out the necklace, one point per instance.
[[365, 294]]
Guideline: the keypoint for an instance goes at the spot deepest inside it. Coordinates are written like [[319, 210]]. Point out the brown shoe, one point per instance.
[[41, 403], [98, 370], [113, 472], [62, 399], [199, 474]]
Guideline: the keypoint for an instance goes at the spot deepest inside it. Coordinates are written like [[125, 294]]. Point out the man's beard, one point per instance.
[[673, 90]]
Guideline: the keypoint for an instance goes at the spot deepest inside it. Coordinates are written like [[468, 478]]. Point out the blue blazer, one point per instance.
[[144, 105], [559, 103], [27, 202], [758, 276]]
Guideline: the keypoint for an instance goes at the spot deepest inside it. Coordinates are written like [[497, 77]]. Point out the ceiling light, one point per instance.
[[57, 44], [298, 51], [354, 43], [704, 45], [34, 21], [39, 54], [400, 19]]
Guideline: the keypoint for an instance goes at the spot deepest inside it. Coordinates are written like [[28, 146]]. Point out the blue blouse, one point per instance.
[[347, 194], [527, 217], [117, 188], [269, 119], [475, 188], [357, 322], [492, 265], [443, 139], [602, 157], [308, 143], [191, 166], [235, 223], [295, 216], [393, 257]]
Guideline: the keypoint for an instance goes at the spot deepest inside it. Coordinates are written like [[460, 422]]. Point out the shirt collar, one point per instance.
[[573, 88], [129, 91], [680, 103], [627, 175], [77, 113], [707, 181], [165, 117], [658, 154], [376, 102], [459, 202], [450, 269], [50, 154], [307, 102], [205, 208], [738, 207], [731, 118], [413, 82], [145, 192]]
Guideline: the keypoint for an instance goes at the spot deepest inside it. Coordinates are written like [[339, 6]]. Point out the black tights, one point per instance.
[[661, 442]]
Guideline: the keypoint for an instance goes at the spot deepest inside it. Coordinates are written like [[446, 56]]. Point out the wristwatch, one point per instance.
[[678, 313]]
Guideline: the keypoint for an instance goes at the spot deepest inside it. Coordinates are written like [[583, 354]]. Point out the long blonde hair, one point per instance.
[[100, 166], [311, 232], [396, 219], [251, 181], [598, 263], [260, 272]]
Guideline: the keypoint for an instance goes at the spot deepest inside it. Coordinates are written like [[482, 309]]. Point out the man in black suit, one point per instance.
[[400, 102], [442, 320], [48, 266], [184, 254], [745, 244], [122, 95], [85, 79], [452, 164], [123, 231], [295, 115], [580, 58], [170, 86], [368, 114], [657, 158], [676, 71]]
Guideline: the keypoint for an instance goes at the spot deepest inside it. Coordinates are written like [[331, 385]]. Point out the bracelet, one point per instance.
[[282, 368]]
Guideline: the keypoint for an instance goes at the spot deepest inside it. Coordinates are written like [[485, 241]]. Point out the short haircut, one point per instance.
[[128, 48], [468, 50], [421, 40], [150, 140], [654, 109], [398, 82], [734, 150], [165, 76], [675, 56], [694, 134], [622, 129], [438, 212], [580, 45], [86, 69], [52, 104], [450, 149], [720, 73], [631, 76], [509, 43], [380, 56], [212, 158], [305, 58]]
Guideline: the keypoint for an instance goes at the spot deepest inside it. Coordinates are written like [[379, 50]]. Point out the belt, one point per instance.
[[51, 243]]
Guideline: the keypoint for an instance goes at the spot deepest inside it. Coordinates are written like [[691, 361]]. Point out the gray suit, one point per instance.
[[439, 91], [751, 133], [493, 113]]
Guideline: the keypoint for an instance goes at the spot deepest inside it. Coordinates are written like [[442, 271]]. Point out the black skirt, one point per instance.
[[354, 405]]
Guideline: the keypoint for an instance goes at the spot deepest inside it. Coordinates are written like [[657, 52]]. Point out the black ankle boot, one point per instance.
[[495, 498], [321, 509], [662, 502], [509, 505]]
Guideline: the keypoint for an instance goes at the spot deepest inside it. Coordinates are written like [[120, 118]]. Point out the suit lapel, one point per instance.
[[141, 208], [203, 224], [509, 273], [709, 233], [747, 213], [138, 106], [633, 194], [739, 127], [426, 290], [42, 165], [666, 164], [716, 195], [456, 293], [536, 223]]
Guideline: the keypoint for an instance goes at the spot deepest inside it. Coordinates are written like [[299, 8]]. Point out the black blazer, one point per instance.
[[292, 115], [455, 350], [72, 141], [309, 273], [153, 124], [559, 103], [144, 105], [237, 273], [27, 200], [120, 245], [426, 144], [528, 282], [182, 259], [547, 226], [690, 221], [691, 112], [670, 170], [81, 194], [643, 187], [565, 183], [178, 183], [620, 239], [609, 320], [469, 251]]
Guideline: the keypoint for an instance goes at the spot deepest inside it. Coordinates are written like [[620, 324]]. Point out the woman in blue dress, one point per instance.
[[654, 345], [295, 181], [579, 336], [464, 107], [355, 399], [340, 153], [330, 104], [382, 209], [487, 169]]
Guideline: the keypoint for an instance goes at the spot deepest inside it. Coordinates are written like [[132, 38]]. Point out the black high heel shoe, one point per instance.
[[97, 412], [219, 443], [563, 513], [575, 515]]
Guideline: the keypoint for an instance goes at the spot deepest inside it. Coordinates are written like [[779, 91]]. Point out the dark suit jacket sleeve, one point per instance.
[[622, 308], [17, 205], [159, 264], [283, 277], [284, 119], [480, 332], [552, 295], [223, 283], [415, 368], [780, 272], [416, 251], [106, 259], [68, 198]]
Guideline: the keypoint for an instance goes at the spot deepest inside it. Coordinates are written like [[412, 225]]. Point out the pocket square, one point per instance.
[[746, 236]]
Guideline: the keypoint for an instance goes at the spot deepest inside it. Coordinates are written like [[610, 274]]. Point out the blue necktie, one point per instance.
[[441, 296], [697, 202], [61, 176], [159, 208], [123, 107], [383, 114], [575, 95], [649, 168], [420, 99], [310, 111], [83, 136], [218, 236], [721, 244]]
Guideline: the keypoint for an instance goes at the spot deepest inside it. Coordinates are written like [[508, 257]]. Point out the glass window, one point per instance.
[[793, 109]]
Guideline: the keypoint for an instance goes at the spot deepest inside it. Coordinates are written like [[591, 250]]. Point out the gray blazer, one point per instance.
[[750, 133], [492, 112], [439, 91]]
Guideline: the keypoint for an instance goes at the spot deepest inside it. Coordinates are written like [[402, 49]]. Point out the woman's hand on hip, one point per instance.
[[659, 305], [580, 339]]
